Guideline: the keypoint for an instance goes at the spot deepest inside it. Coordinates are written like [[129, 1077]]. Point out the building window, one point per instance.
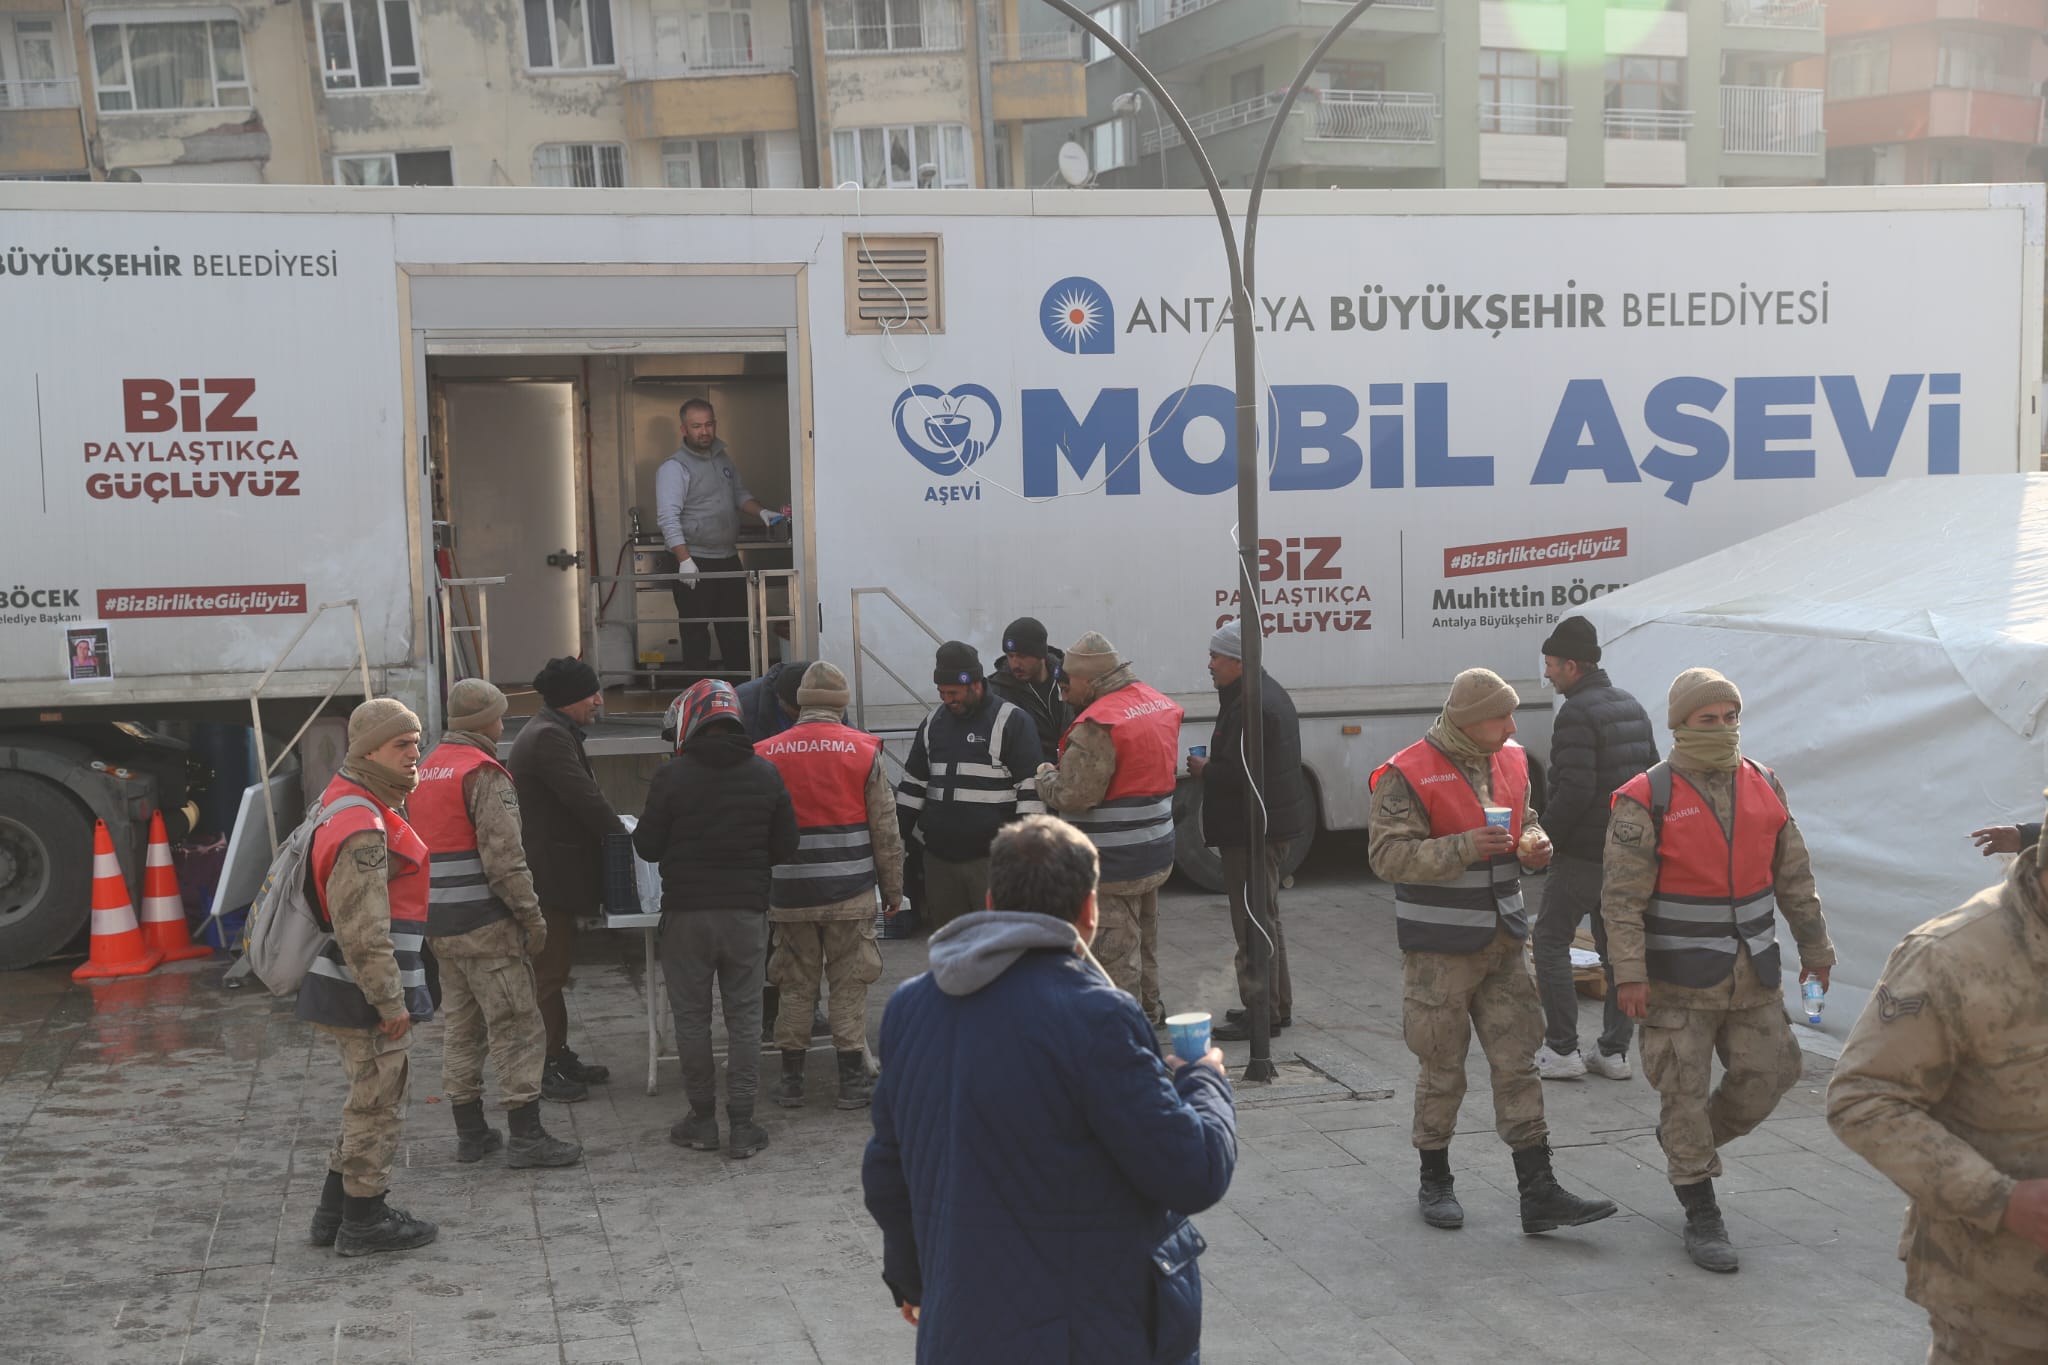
[[1109, 145], [728, 34], [395, 168], [1332, 75], [1982, 61], [891, 25], [368, 44], [1247, 84], [1645, 83], [580, 165], [34, 83], [195, 64], [710, 163], [1859, 67], [1519, 92], [918, 156], [1121, 19], [569, 35]]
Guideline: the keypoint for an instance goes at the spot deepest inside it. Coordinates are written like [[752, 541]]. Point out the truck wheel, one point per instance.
[[45, 869], [1203, 865]]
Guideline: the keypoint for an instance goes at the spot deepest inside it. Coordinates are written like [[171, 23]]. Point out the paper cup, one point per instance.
[[1190, 1035], [1500, 817]]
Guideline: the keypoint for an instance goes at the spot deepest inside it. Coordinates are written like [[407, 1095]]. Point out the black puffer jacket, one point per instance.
[[1290, 810], [1040, 701], [718, 820], [1601, 739]]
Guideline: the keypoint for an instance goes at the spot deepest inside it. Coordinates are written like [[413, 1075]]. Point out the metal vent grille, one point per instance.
[[892, 283]]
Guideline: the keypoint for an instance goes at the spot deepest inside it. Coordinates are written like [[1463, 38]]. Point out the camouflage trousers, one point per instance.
[[488, 1005], [1127, 938], [377, 1071], [1960, 1340], [842, 953], [1761, 1062], [1445, 997]]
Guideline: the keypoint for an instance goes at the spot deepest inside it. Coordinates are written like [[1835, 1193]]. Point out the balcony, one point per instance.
[[1762, 120], [40, 132], [1645, 146], [754, 92], [1777, 30], [1036, 76], [1523, 144], [1181, 35], [1340, 130], [2009, 115]]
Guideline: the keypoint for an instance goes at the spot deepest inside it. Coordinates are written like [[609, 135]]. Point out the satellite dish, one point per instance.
[[1074, 167]]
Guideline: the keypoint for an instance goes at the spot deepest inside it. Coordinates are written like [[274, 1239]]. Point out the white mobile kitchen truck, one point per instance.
[[227, 407]]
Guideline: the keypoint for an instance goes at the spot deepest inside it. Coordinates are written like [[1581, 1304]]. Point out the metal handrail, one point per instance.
[[1375, 116], [1061, 46], [480, 626], [1546, 120], [1800, 14], [1647, 125], [758, 618], [58, 92], [361, 663], [862, 652], [755, 61]]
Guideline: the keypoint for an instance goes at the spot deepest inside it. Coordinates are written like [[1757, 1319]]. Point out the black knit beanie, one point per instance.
[[564, 682], [789, 680], [1026, 635], [1573, 639], [958, 664]]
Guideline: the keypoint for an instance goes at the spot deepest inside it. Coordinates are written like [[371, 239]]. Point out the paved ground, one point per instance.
[[162, 1144]]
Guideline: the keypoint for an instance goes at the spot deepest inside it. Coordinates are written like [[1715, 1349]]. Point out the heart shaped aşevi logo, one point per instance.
[[947, 431]]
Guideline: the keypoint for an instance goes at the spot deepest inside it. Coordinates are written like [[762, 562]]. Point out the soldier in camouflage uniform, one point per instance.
[[485, 924], [1458, 910], [1114, 781], [1943, 1086], [369, 985], [1692, 938]]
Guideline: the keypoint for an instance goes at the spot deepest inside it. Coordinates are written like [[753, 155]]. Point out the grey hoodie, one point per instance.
[[976, 948]]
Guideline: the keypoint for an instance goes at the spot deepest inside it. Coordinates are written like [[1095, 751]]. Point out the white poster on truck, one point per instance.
[[205, 441], [1471, 425]]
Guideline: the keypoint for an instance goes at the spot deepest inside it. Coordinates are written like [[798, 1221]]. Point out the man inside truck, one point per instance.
[[698, 498]]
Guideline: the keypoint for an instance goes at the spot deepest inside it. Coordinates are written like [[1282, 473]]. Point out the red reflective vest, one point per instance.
[[1714, 894], [329, 994], [459, 896], [826, 767], [1132, 826], [1461, 915]]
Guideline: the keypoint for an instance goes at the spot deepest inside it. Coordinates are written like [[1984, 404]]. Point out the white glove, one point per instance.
[[687, 567], [769, 517]]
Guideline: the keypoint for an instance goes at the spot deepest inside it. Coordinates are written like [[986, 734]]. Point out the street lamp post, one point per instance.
[[1242, 322]]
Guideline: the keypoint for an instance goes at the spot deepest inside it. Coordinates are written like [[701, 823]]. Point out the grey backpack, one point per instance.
[[286, 931]]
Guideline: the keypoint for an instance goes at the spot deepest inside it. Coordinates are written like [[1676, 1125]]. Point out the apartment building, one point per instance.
[[1935, 91], [1467, 92], [589, 93]]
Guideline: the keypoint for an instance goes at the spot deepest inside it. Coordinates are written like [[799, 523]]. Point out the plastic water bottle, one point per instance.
[[1815, 995]]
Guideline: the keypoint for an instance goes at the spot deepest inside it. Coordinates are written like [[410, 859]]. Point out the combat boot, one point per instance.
[[855, 1089], [327, 1217], [1547, 1204], [744, 1136], [1706, 1236], [558, 1085], [371, 1225], [790, 1094], [697, 1130], [576, 1069], [1440, 1206], [533, 1145], [473, 1137]]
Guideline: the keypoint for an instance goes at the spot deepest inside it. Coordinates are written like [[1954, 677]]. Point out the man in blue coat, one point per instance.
[[1034, 1156]]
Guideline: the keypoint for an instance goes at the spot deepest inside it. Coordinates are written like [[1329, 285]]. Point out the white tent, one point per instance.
[[1893, 658]]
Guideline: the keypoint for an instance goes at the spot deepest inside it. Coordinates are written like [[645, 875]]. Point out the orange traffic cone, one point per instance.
[[163, 909], [117, 945]]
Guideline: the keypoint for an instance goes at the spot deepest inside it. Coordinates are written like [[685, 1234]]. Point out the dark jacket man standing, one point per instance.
[[1601, 738], [768, 704], [1027, 678], [718, 820], [972, 769], [1034, 1156], [564, 819], [1226, 799]]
